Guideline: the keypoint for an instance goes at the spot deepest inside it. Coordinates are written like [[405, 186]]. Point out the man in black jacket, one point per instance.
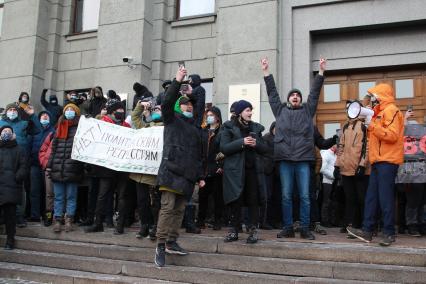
[[52, 106], [180, 169], [294, 146]]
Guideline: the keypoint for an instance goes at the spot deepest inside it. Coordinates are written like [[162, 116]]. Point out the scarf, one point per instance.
[[63, 126]]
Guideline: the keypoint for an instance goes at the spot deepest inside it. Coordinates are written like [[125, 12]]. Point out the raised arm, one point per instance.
[[171, 96], [43, 100], [315, 91], [271, 89]]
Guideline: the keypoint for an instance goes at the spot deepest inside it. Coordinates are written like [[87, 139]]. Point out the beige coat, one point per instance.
[[350, 146]]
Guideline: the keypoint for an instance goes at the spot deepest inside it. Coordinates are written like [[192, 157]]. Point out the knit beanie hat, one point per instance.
[[292, 91], [112, 105], [242, 105], [6, 126], [11, 105], [74, 107]]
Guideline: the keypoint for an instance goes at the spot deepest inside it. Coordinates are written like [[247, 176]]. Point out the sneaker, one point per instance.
[[266, 226], [172, 247], [360, 234], [252, 238], [152, 235], [319, 229], [160, 255], [413, 231], [387, 241], [10, 244], [143, 232], [286, 233], [306, 234], [232, 236]]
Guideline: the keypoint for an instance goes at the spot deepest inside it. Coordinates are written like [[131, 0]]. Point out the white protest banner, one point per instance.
[[118, 148]]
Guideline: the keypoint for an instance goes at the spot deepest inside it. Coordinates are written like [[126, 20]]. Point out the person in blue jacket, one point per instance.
[[37, 175]]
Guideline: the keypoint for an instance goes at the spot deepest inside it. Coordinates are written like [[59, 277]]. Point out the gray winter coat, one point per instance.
[[294, 133]]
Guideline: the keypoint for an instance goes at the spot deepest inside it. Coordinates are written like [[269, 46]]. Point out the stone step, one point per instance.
[[352, 253], [234, 263], [142, 269], [65, 276]]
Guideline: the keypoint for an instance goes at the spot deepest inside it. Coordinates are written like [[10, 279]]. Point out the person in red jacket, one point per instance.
[[111, 180]]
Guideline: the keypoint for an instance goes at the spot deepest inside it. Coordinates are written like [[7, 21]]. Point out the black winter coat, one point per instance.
[[54, 109], [210, 151], [181, 166], [96, 105], [63, 168], [294, 135], [232, 146], [199, 95], [14, 169]]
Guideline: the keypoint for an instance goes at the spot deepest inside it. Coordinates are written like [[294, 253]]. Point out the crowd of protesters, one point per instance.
[[241, 177]]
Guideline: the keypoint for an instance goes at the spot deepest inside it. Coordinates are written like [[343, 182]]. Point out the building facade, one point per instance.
[[65, 45]]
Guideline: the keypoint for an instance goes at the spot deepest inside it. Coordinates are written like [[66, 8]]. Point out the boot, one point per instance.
[[48, 219], [68, 223], [57, 225], [143, 232], [232, 236], [190, 226], [87, 222], [252, 238], [98, 226]]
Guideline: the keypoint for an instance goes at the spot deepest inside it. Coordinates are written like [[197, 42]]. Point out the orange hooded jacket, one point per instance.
[[386, 130]]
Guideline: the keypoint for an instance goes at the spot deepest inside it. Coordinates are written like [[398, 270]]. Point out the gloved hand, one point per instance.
[[335, 139], [336, 173], [360, 171]]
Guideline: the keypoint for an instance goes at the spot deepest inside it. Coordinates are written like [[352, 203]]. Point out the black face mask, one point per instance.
[[119, 116]]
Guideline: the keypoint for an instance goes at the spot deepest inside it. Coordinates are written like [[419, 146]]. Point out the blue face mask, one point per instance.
[[210, 119], [69, 114], [6, 136], [155, 116], [12, 115], [44, 122], [188, 114]]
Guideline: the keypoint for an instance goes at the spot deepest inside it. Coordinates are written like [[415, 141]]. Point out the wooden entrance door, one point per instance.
[[409, 87]]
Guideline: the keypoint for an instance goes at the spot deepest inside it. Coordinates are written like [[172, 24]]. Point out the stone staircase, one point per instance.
[[76, 257]]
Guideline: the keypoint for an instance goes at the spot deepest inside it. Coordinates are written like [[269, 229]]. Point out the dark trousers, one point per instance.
[[37, 188], [326, 207], [313, 196], [9, 214], [381, 191], [248, 197], [107, 186], [354, 188], [144, 203], [416, 200], [92, 197], [213, 187]]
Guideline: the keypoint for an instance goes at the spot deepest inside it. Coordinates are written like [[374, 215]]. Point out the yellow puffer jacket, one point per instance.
[[386, 130]]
